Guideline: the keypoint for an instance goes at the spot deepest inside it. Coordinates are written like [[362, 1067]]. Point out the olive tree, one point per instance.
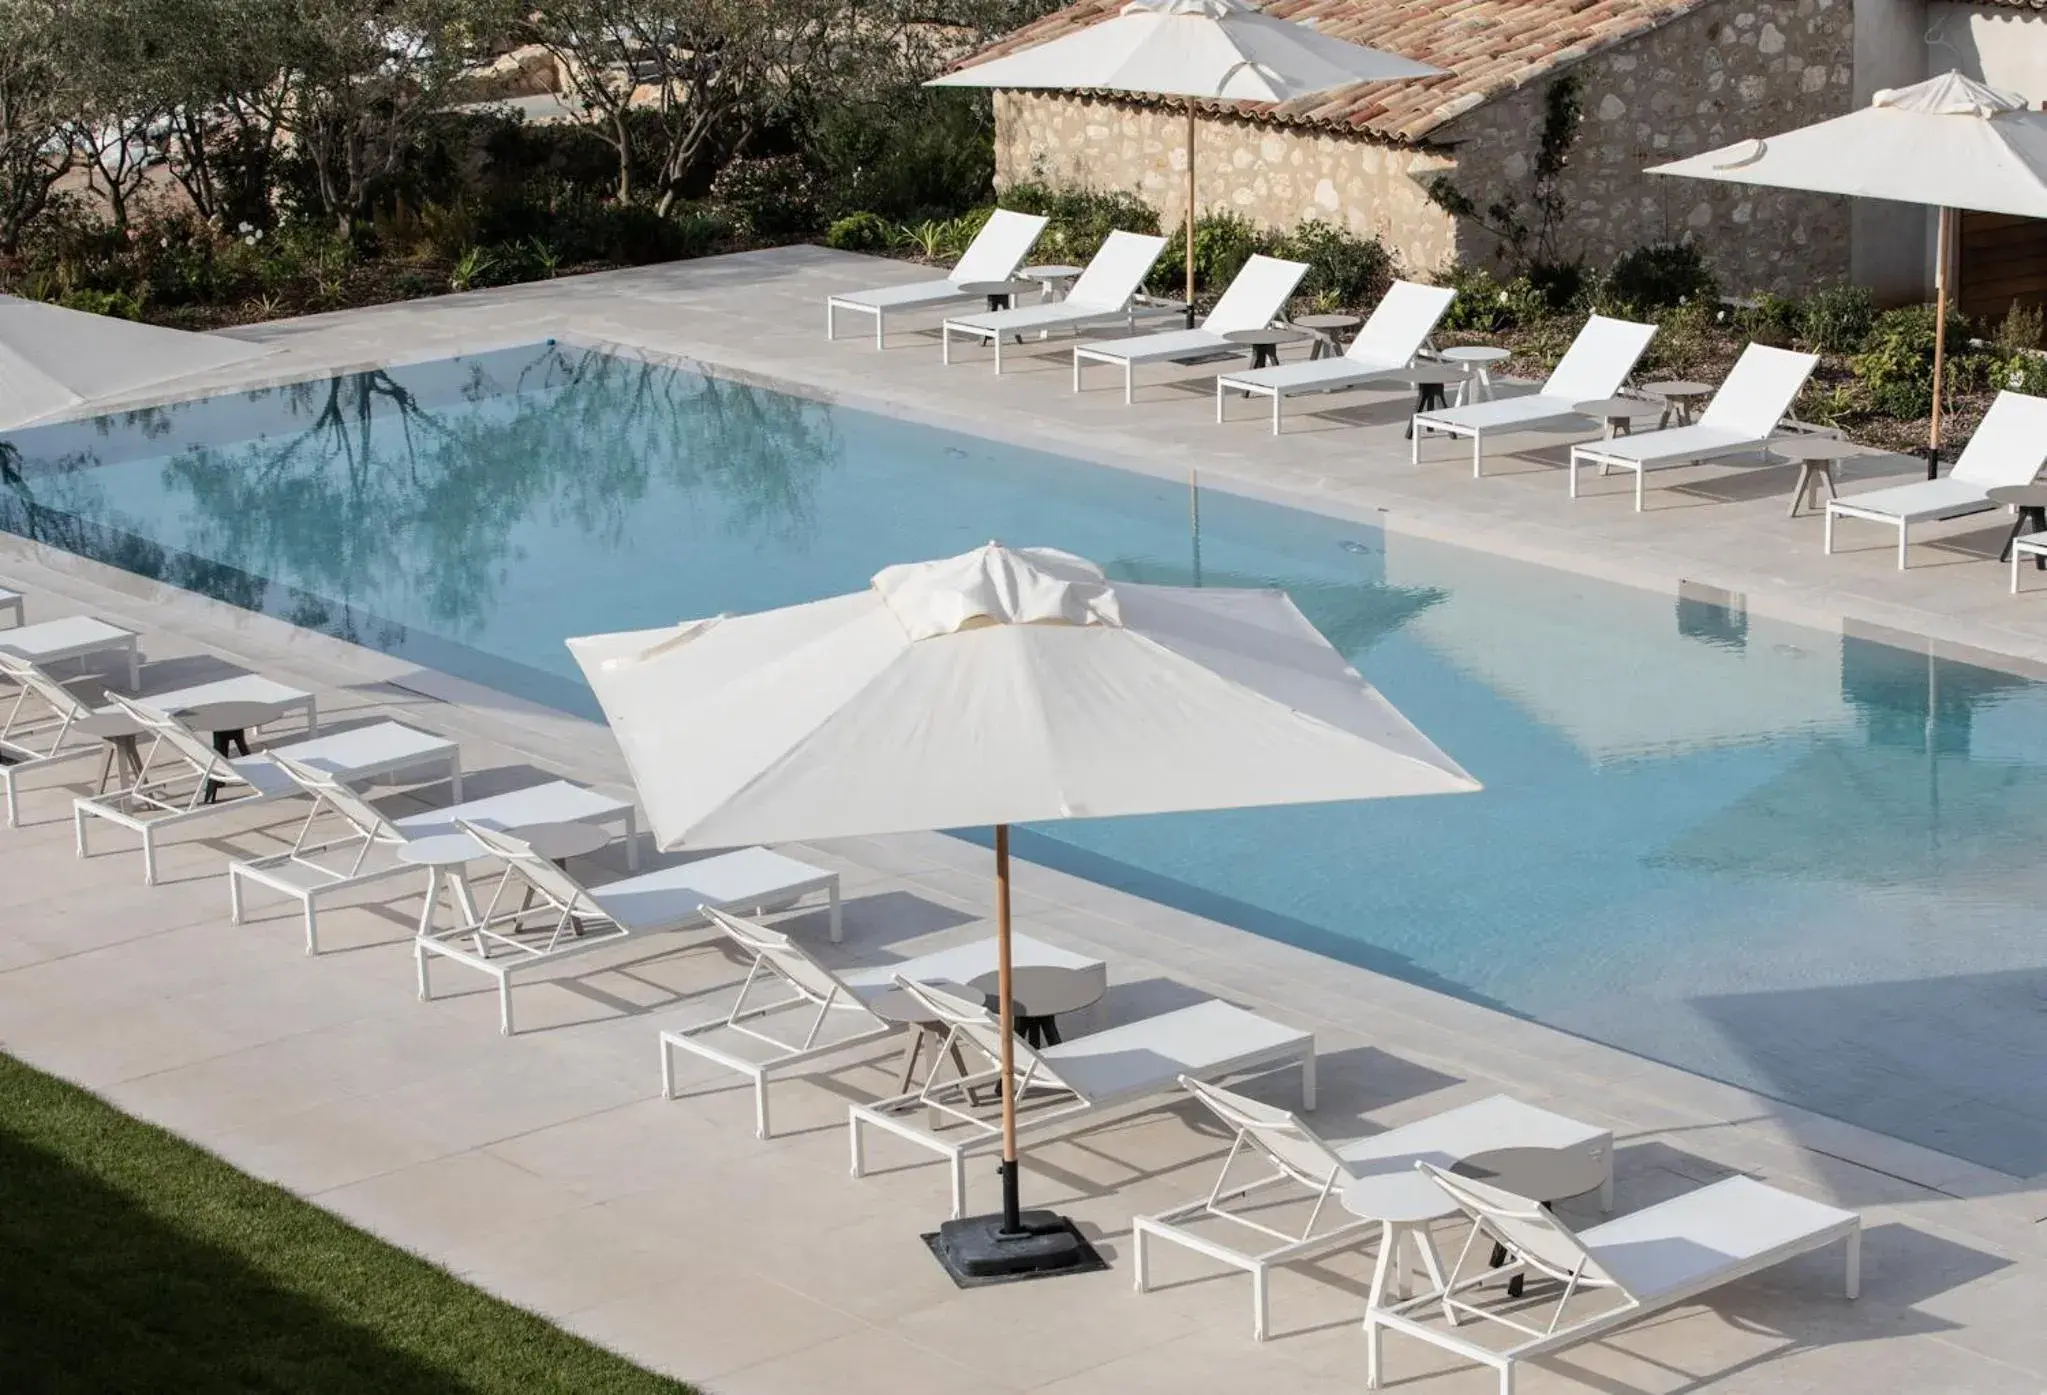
[[36, 102]]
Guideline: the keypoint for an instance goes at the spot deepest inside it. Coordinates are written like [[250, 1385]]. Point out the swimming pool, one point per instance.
[[1796, 861]]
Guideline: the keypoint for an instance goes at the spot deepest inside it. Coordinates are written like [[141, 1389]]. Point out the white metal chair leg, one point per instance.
[[667, 1069], [1904, 530], [426, 989], [1478, 455], [1853, 1286], [148, 855], [1828, 529], [1129, 382], [504, 1003], [1641, 477], [1277, 398]]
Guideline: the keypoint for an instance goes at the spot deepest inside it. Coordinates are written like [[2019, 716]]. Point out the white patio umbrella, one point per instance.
[[1948, 142], [1002, 686], [1213, 50], [53, 360]]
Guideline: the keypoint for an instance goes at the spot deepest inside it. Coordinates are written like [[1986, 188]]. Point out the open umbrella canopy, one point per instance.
[[1219, 49], [1001, 686], [53, 360], [1948, 142]]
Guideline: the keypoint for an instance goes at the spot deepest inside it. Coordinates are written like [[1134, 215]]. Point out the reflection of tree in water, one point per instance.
[[382, 493]]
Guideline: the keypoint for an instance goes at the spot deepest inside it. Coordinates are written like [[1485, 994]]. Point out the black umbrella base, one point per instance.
[[977, 1253]]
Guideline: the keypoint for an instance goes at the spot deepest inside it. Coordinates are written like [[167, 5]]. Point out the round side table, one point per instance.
[[1042, 993], [1054, 279], [1816, 457], [1327, 329], [1431, 385], [230, 722], [1544, 1175], [1405, 1204], [894, 1005], [1616, 415], [1264, 343], [1479, 358], [446, 857], [1680, 398], [2030, 500], [122, 733], [1001, 294], [558, 842]]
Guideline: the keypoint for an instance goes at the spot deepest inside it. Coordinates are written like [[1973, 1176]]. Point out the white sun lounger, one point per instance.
[[1647, 1261], [829, 1007], [994, 255], [1385, 344], [2009, 448], [560, 917], [183, 778], [1299, 1160], [1742, 416], [1106, 291], [1087, 1075], [74, 637], [1591, 370], [1253, 300], [310, 872], [30, 742]]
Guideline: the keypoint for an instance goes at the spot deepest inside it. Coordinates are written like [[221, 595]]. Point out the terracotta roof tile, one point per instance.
[[1486, 48]]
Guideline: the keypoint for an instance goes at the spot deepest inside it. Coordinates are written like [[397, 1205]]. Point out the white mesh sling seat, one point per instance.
[[994, 255], [1593, 368], [1740, 419], [1131, 1064], [822, 1011], [1255, 297], [184, 779], [1613, 1274], [1106, 291], [2009, 448], [362, 852], [555, 916], [1385, 344], [1303, 1176]]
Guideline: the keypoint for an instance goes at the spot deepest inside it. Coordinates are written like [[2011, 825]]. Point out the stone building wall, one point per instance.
[[1274, 175], [1738, 68]]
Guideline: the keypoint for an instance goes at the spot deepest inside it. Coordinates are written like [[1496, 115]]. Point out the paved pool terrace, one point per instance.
[[546, 1168]]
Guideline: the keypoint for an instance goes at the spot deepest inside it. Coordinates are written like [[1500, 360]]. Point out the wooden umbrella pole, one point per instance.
[[1012, 1205], [1940, 278], [1190, 213]]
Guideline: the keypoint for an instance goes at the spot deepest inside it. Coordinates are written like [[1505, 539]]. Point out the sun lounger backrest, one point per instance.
[[1599, 360], [1535, 1234], [781, 955], [564, 891], [1401, 323], [999, 248], [976, 1024], [168, 731], [344, 801], [1117, 270], [28, 675], [2009, 446], [1291, 1145], [1759, 391], [1255, 295]]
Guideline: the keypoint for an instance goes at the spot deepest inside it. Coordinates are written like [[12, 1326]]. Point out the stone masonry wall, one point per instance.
[[1274, 175], [1735, 69]]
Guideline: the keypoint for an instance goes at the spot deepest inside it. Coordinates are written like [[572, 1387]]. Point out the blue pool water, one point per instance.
[[1804, 863]]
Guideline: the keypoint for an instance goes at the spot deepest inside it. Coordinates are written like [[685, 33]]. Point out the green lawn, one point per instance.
[[132, 1261]]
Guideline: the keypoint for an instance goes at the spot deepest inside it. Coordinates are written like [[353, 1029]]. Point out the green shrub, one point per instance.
[[773, 196], [1223, 242], [690, 232], [2024, 371], [1896, 363], [1836, 320], [1486, 306], [921, 155], [860, 232], [2021, 328], [473, 270], [1081, 219], [119, 304], [1772, 320], [1660, 275], [1344, 270], [1688, 337], [1561, 283]]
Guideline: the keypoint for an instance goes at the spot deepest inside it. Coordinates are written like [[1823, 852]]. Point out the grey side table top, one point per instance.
[[1617, 408], [1055, 271], [1678, 389], [1540, 1174], [1045, 990], [1441, 374], [895, 1005], [1275, 335], [2019, 496], [558, 842], [1406, 1197], [1477, 355], [441, 850], [230, 716], [109, 726], [996, 287], [1801, 446], [1327, 323]]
